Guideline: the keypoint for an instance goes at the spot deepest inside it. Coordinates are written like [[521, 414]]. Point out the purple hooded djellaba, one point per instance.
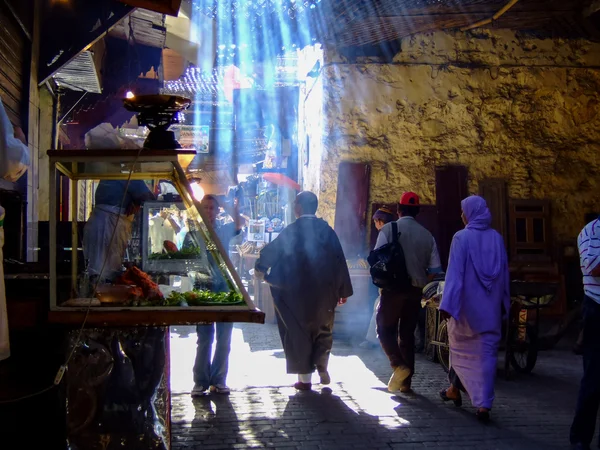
[[476, 295]]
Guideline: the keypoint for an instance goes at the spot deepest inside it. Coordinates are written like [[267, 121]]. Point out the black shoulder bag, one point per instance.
[[388, 265]]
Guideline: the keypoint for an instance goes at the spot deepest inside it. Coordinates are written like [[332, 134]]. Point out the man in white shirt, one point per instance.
[[398, 312], [14, 159], [584, 423]]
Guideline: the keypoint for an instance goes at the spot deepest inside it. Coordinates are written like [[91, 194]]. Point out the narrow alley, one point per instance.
[[264, 410]]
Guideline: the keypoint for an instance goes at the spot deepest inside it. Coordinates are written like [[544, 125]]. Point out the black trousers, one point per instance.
[[455, 381], [397, 318], [588, 402]]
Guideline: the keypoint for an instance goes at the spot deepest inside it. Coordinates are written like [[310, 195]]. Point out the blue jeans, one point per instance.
[[209, 372]]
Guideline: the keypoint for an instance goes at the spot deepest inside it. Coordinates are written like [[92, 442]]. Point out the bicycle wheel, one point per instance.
[[523, 352], [443, 351]]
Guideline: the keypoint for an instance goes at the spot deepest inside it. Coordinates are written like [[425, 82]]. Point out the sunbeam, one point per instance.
[[261, 376]]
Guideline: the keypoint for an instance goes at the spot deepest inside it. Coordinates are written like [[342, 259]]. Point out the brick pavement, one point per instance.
[[530, 412]]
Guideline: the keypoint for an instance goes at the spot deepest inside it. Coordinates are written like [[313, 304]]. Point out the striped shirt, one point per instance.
[[589, 255]]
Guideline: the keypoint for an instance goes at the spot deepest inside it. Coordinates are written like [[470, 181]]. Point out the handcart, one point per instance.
[[527, 299], [520, 332]]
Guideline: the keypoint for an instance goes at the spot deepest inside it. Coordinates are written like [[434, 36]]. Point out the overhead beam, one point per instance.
[[346, 11], [170, 7], [19, 21], [496, 16], [592, 8], [62, 41], [372, 30]]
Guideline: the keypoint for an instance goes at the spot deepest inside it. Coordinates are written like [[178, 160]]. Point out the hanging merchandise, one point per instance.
[[271, 155], [281, 180], [256, 231]]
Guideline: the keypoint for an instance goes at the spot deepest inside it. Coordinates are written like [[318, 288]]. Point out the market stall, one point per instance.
[[117, 308], [167, 284]]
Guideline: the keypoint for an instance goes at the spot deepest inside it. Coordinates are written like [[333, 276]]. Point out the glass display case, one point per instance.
[[179, 274], [168, 248]]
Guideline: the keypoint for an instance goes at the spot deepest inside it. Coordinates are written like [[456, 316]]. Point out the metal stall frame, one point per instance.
[[66, 162]]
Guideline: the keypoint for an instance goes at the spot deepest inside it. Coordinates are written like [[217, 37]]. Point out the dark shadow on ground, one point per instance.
[[304, 419], [325, 416], [215, 423], [459, 424], [516, 398]]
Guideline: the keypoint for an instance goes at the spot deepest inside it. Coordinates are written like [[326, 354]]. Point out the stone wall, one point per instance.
[[502, 104]]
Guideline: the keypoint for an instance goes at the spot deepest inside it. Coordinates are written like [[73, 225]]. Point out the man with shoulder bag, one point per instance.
[[404, 260]]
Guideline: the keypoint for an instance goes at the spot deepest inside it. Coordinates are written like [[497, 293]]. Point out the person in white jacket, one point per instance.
[[14, 160], [380, 218]]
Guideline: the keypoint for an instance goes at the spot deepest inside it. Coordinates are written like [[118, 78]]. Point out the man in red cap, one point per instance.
[[398, 311]]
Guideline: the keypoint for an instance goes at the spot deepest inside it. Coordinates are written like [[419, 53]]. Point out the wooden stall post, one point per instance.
[[52, 237], [74, 231]]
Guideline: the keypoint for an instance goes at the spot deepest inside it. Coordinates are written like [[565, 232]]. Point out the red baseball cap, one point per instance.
[[409, 199]]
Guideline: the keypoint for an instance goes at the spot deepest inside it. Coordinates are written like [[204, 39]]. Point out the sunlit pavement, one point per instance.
[[263, 410]]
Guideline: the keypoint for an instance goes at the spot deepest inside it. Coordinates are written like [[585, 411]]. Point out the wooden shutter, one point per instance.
[[450, 190], [494, 193], [530, 230], [13, 76], [429, 218], [351, 207]]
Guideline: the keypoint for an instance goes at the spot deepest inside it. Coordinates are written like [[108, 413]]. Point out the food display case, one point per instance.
[[185, 277], [163, 265], [165, 227]]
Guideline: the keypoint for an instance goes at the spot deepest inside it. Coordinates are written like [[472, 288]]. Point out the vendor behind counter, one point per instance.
[[116, 202]]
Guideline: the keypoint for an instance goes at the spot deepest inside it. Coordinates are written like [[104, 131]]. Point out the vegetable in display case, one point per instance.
[[183, 274]]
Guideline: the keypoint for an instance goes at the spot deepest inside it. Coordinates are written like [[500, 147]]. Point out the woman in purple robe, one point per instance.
[[476, 298]]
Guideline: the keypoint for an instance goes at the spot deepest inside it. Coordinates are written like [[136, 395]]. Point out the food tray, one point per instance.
[[113, 294]]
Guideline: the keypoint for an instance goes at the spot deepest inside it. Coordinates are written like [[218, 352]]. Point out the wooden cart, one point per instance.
[[520, 331]]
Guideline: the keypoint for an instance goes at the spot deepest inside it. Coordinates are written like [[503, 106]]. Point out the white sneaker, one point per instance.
[[220, 389], [198, 391]]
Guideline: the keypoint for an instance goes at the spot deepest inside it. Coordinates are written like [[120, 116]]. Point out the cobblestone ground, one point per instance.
[[530, 412]]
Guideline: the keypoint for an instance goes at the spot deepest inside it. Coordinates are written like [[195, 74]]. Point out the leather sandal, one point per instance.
[[299, 385], [483, 416], [444, 396]]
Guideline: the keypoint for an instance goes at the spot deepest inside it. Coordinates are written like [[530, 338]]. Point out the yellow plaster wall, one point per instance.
[[502, 104]]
